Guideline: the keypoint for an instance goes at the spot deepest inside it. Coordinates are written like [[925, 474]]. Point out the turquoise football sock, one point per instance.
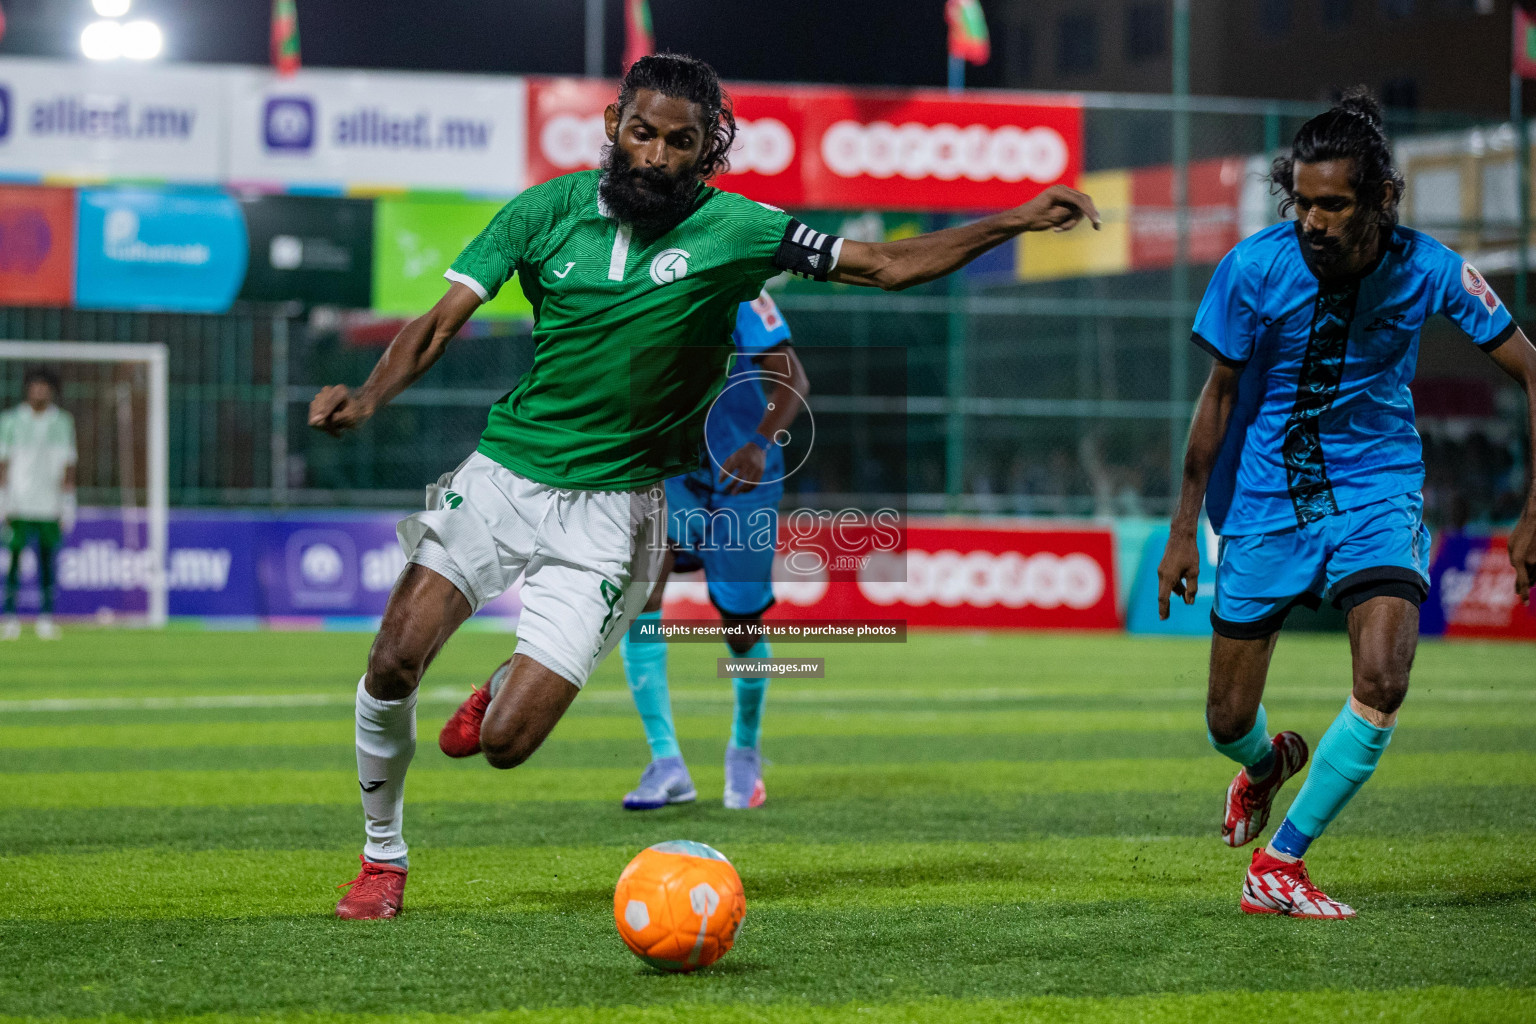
[[750, 696], [645, 666], [1346, 756], [1253, 750]]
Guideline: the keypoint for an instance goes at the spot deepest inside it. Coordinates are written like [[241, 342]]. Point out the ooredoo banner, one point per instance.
[[377, 131], [91, 122], [838, 148], [952, 574]]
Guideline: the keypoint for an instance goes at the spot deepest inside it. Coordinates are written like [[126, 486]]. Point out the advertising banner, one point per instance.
[[838, 148], [1215, 190], [37, 246], [1472, 592], [301, 571], [90, 122], [953, 574], [415, 240], [312, 249], [150, 249], [378, 131]]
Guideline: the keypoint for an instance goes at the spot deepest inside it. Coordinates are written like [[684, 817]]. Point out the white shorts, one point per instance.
[[588, 558]]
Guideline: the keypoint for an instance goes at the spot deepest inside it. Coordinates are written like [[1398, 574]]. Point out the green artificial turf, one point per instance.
[[963, 827]]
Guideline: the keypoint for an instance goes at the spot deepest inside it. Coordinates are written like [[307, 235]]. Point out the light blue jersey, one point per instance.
[[733, 536], [1323, 421], [733, 419]]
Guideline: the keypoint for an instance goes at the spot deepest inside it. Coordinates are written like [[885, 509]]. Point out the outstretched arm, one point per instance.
[[909, 261], [1517, 357], [1179, 572], [419, 344]]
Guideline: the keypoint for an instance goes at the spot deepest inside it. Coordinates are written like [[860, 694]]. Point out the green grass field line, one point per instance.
[[1437, 1005], [475, 782], [851, 877], [121, 664], [580, 725]]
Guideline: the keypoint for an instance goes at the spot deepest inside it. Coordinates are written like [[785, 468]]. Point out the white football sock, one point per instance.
[[386, 741]]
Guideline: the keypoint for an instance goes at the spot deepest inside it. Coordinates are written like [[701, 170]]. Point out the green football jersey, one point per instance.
[[632, 332]]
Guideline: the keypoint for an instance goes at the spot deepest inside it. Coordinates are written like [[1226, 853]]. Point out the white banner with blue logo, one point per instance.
[[91, 122], [140, 248], [363, 131]]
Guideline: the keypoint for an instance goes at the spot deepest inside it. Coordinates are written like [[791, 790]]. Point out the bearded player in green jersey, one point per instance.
[[635, 273]]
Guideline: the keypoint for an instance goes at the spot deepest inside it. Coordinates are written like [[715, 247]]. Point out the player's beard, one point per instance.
[[643, 196], [1362, 234]]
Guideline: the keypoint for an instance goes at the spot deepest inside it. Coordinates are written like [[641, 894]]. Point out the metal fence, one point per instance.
[[981, 394]]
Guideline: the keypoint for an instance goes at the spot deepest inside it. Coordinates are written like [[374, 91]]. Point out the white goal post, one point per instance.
[[155, 359]]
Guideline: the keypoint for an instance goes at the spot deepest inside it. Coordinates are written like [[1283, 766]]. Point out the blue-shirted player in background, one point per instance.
[[1304, 451], [723, 517]]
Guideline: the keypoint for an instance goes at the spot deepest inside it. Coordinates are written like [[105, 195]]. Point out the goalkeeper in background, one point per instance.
[[37, 491]]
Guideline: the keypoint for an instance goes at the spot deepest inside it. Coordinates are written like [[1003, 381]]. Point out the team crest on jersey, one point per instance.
[[669, 265], [1473, 282]]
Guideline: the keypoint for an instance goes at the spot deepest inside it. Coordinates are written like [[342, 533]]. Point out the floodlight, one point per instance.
[[111, 8], [102, 40], [142, 40]]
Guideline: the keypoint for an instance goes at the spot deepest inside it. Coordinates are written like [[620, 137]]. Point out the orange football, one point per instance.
[[678, 905]]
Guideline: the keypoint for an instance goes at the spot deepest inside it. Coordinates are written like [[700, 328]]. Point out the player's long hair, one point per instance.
[[687, 78], [1352, 130]]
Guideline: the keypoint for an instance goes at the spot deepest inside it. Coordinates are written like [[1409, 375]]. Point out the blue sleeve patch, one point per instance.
[[1469, 301]]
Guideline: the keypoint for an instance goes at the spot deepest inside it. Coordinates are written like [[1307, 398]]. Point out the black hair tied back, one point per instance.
[[1353, 129]]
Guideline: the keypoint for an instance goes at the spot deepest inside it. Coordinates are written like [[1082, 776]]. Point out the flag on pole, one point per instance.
[[638, 41], [968, 37], [1525, 42], [285, 36]]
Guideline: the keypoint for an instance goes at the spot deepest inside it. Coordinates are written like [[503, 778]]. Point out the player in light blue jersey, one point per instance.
[[723, 518], [1304, 452]]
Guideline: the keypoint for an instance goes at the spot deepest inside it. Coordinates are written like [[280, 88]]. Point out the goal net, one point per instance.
[[112, 564]]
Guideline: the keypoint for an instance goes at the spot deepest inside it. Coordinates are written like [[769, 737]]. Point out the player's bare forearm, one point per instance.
[[410, 354], [893, 266], [1517, 357], [789, 391], [1207, 431]]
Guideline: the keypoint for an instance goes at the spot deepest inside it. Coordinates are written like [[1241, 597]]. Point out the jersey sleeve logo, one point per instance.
[[669, 265], [1478, 288]]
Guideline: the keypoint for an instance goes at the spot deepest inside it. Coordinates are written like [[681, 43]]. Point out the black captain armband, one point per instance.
[[807, 253]]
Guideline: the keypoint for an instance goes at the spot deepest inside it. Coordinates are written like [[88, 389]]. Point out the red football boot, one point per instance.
[[1274, 886], [1248, 802], [461, 733], [376, 893]]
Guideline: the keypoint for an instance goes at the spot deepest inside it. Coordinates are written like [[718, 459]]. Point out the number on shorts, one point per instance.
[[611, 595]]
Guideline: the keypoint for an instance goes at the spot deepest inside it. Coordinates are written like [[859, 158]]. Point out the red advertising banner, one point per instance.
[[37, 246], [837, 148], [1214, 190], [1479, 595], [956, 574]]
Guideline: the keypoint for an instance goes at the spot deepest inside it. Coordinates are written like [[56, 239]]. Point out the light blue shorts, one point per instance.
[[731, 536], [1381, 549]]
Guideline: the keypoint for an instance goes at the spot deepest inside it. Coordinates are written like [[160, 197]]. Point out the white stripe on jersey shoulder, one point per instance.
[[469, 282]]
